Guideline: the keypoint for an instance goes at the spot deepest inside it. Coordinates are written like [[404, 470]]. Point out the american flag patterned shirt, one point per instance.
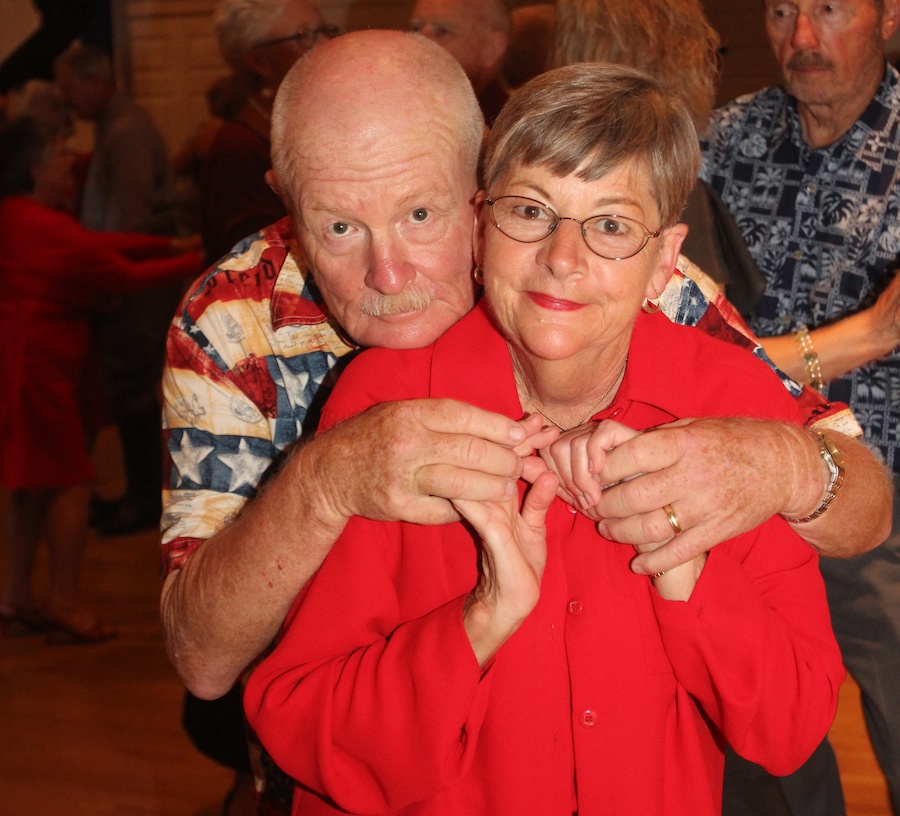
[[249, 359]]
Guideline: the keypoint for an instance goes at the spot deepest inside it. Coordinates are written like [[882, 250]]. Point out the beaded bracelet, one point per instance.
[[811, 358]]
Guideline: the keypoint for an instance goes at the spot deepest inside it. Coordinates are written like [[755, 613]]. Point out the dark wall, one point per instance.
[[748, 63], [61, 22]]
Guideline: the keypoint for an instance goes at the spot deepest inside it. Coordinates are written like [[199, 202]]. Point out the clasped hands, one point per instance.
[[591, 468]]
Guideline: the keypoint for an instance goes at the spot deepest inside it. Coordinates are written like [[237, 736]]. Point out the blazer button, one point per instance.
[[588, 718], [575, 606]]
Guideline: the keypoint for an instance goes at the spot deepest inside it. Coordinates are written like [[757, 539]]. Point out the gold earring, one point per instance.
[[478, 274], [651, 306]]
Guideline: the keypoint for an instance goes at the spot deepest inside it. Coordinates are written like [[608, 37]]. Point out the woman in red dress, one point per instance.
[[51, 268]]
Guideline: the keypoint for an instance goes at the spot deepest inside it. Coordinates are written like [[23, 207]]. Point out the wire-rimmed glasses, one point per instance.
[[614, 237]]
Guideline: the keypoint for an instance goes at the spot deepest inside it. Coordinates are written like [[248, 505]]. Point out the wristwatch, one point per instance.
[[835, 462]]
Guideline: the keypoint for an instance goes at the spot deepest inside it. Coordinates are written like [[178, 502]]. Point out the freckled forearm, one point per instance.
[[227, 603]]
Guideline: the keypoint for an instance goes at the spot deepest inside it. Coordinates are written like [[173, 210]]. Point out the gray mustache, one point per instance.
[[809, 59], [412, 298]]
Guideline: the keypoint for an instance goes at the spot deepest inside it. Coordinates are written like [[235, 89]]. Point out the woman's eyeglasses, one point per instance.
[[613, 237], [304, 36]]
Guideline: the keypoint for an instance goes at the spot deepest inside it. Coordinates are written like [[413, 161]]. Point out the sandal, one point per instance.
[[76, 626], [17, 621]]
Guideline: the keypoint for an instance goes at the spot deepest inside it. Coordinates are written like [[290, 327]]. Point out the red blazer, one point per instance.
[[608, 699]]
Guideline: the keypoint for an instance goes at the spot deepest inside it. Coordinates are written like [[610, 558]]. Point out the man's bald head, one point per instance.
[[369, 86]]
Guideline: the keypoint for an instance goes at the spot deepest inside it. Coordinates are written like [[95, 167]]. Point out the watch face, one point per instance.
[[833, 451]]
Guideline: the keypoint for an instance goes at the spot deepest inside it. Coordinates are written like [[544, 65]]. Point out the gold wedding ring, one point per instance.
[[673, 519]]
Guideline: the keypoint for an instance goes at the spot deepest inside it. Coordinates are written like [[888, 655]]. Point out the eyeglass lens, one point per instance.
[[613, 237]]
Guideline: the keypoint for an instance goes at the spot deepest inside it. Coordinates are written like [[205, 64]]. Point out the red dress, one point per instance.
[[51, 268]]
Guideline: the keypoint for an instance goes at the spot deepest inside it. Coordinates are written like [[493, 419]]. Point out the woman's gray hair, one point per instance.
[[669, 39], [591, 118], [242, 24]]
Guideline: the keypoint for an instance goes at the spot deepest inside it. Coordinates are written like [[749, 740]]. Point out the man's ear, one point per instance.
[[478, 227], [273, 182]]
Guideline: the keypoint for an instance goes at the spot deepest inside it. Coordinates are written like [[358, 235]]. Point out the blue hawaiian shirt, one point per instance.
[[823, 225]]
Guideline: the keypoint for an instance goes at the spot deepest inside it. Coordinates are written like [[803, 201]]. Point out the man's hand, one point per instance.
[[409, 460], [398, 461], [720, 476]]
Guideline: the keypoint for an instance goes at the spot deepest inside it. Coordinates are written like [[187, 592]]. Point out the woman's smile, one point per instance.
[[553, 303]]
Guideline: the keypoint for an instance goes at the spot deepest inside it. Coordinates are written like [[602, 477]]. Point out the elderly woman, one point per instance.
[[515, 664]]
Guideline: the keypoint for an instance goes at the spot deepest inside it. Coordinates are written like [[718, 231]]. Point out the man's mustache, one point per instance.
[[809, 59], [412, 298]]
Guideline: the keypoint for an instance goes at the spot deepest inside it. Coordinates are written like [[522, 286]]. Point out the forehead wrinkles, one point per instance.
[[348, 121], [382, 154], [373, 191]]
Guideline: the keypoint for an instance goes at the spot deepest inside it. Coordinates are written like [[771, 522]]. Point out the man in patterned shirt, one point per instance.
[[811, 172], [375, 144]]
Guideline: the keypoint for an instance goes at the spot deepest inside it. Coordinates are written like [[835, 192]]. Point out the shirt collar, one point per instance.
[[671, 387], [295, 299]]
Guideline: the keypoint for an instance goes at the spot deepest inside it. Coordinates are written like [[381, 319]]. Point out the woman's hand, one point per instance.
[[513, 555], [578, 456], [538, 436], [678, 583]]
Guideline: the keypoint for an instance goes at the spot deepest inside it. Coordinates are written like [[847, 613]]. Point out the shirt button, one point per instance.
[[798, 255], [588, 718], [575, 606], [811, 187]]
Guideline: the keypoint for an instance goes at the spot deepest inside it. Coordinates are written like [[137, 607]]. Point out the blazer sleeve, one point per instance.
[[360, 701], [373, 713], [754, 646]]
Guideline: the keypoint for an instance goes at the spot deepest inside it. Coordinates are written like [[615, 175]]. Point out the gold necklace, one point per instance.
[[586, 417]]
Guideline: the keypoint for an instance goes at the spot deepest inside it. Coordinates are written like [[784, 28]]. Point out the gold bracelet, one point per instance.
[[810, 358]]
